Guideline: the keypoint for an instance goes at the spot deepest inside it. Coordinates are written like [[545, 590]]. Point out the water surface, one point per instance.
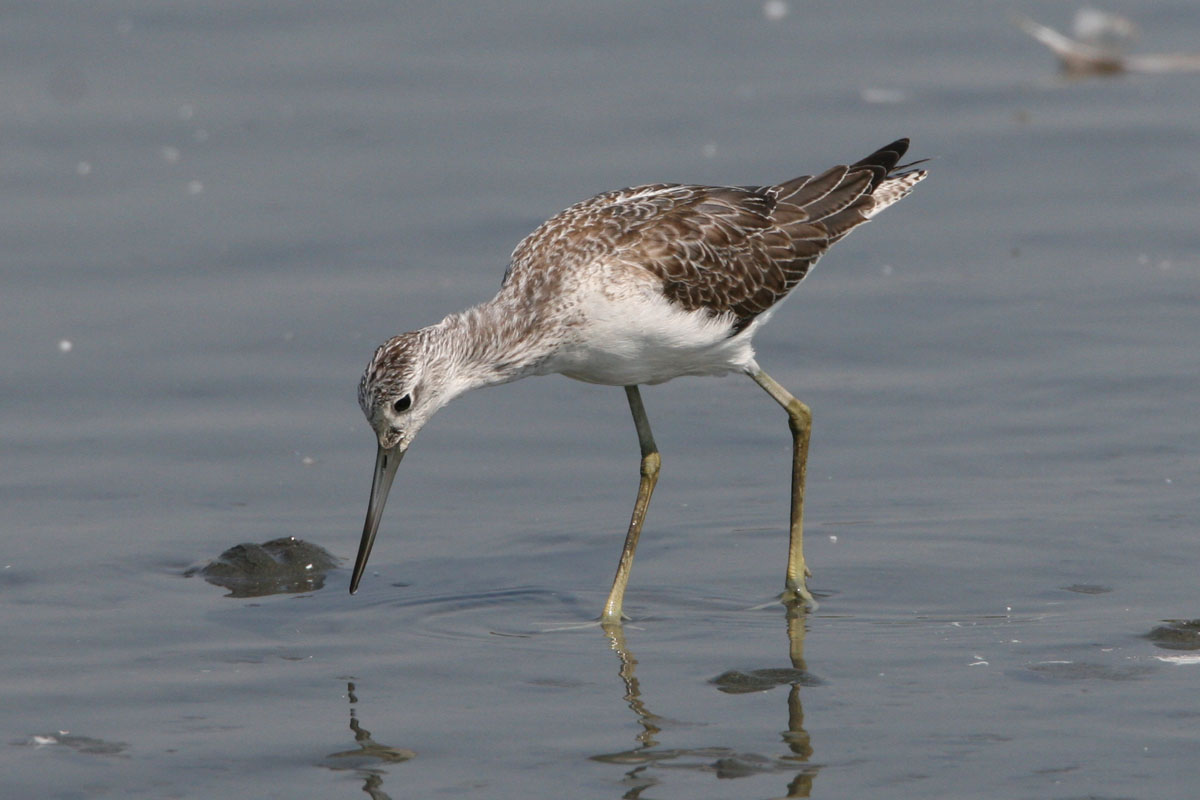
[[214, 212]]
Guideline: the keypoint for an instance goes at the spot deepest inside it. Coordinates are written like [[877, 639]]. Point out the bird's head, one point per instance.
[[394, 393], [400, 390], [414, 374]]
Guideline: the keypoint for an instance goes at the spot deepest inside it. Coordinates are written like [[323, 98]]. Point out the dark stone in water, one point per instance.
[[280, 566], [1085, 671], [740, 766], [1177, 634], [761, 680], [1088, 588], [80, 744]]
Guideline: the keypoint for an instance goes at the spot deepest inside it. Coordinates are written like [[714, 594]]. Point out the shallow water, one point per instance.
[[214, 212]]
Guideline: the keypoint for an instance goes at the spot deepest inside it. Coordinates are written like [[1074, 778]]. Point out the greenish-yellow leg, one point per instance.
[[650, 465], [800, 421]]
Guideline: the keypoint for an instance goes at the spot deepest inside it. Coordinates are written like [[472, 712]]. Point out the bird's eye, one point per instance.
[[403, 404]]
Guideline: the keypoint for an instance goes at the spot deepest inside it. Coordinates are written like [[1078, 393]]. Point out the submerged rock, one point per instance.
[[1084, 671], [80, 744], [761, 680], [280, 566], [1177, 634]]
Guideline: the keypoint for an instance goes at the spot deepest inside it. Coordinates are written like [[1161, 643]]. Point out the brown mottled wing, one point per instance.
[[741, 250], [728, 250]]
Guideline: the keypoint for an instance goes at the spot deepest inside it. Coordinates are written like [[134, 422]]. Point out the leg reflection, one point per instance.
[[638, 779], [650, 762], [365, 758], [633, 693], [795, 737]]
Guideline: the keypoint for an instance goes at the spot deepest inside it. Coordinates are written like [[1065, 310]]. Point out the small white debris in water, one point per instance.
[[1191, 658], [65, 345], [308, 566], [979, 663], [195, 187], [775, 9], [833, 538], [83, 168], [710, 150], [170, 154], [308, 461], [888, 269]]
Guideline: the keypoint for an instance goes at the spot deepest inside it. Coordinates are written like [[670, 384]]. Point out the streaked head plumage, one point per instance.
[[389, 393]]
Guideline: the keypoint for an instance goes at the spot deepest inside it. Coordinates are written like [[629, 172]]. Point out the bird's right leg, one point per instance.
[[800, 422], [650, 465]]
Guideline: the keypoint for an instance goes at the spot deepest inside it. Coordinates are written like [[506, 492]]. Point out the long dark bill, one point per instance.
[[386, 462]]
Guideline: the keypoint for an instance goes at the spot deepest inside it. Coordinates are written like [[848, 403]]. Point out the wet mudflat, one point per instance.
[[214, 213]]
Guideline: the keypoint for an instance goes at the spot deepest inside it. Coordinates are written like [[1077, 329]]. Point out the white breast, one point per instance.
[[641, 337]]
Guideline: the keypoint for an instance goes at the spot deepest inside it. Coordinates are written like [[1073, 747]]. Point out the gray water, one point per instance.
[[213, 212]]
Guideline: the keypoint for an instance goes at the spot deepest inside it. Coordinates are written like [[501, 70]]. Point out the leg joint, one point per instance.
[[799, 416], [651, 463]]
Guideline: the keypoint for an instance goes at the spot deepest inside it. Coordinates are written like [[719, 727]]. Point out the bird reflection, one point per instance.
[[647, 759], [633, 692], [795, 737], [364, 758]]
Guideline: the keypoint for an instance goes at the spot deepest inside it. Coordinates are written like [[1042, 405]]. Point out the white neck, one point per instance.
[[489, 344]]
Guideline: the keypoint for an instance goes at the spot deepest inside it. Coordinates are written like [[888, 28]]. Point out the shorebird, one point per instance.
[[636, 286], [1098, 47]]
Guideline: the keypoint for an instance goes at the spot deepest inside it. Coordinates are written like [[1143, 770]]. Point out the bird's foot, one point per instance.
[[614, 619], [796, 595]]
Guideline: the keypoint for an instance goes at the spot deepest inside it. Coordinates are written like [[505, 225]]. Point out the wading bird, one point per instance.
[[635, 286]]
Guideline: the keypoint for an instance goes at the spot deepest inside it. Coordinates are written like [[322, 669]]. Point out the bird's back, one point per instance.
[[729, 251]]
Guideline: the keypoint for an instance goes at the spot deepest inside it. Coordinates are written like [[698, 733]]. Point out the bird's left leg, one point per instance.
[[650, 465], [800, 421]]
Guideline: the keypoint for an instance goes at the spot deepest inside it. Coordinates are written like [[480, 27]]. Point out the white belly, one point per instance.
[[642, 338]]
